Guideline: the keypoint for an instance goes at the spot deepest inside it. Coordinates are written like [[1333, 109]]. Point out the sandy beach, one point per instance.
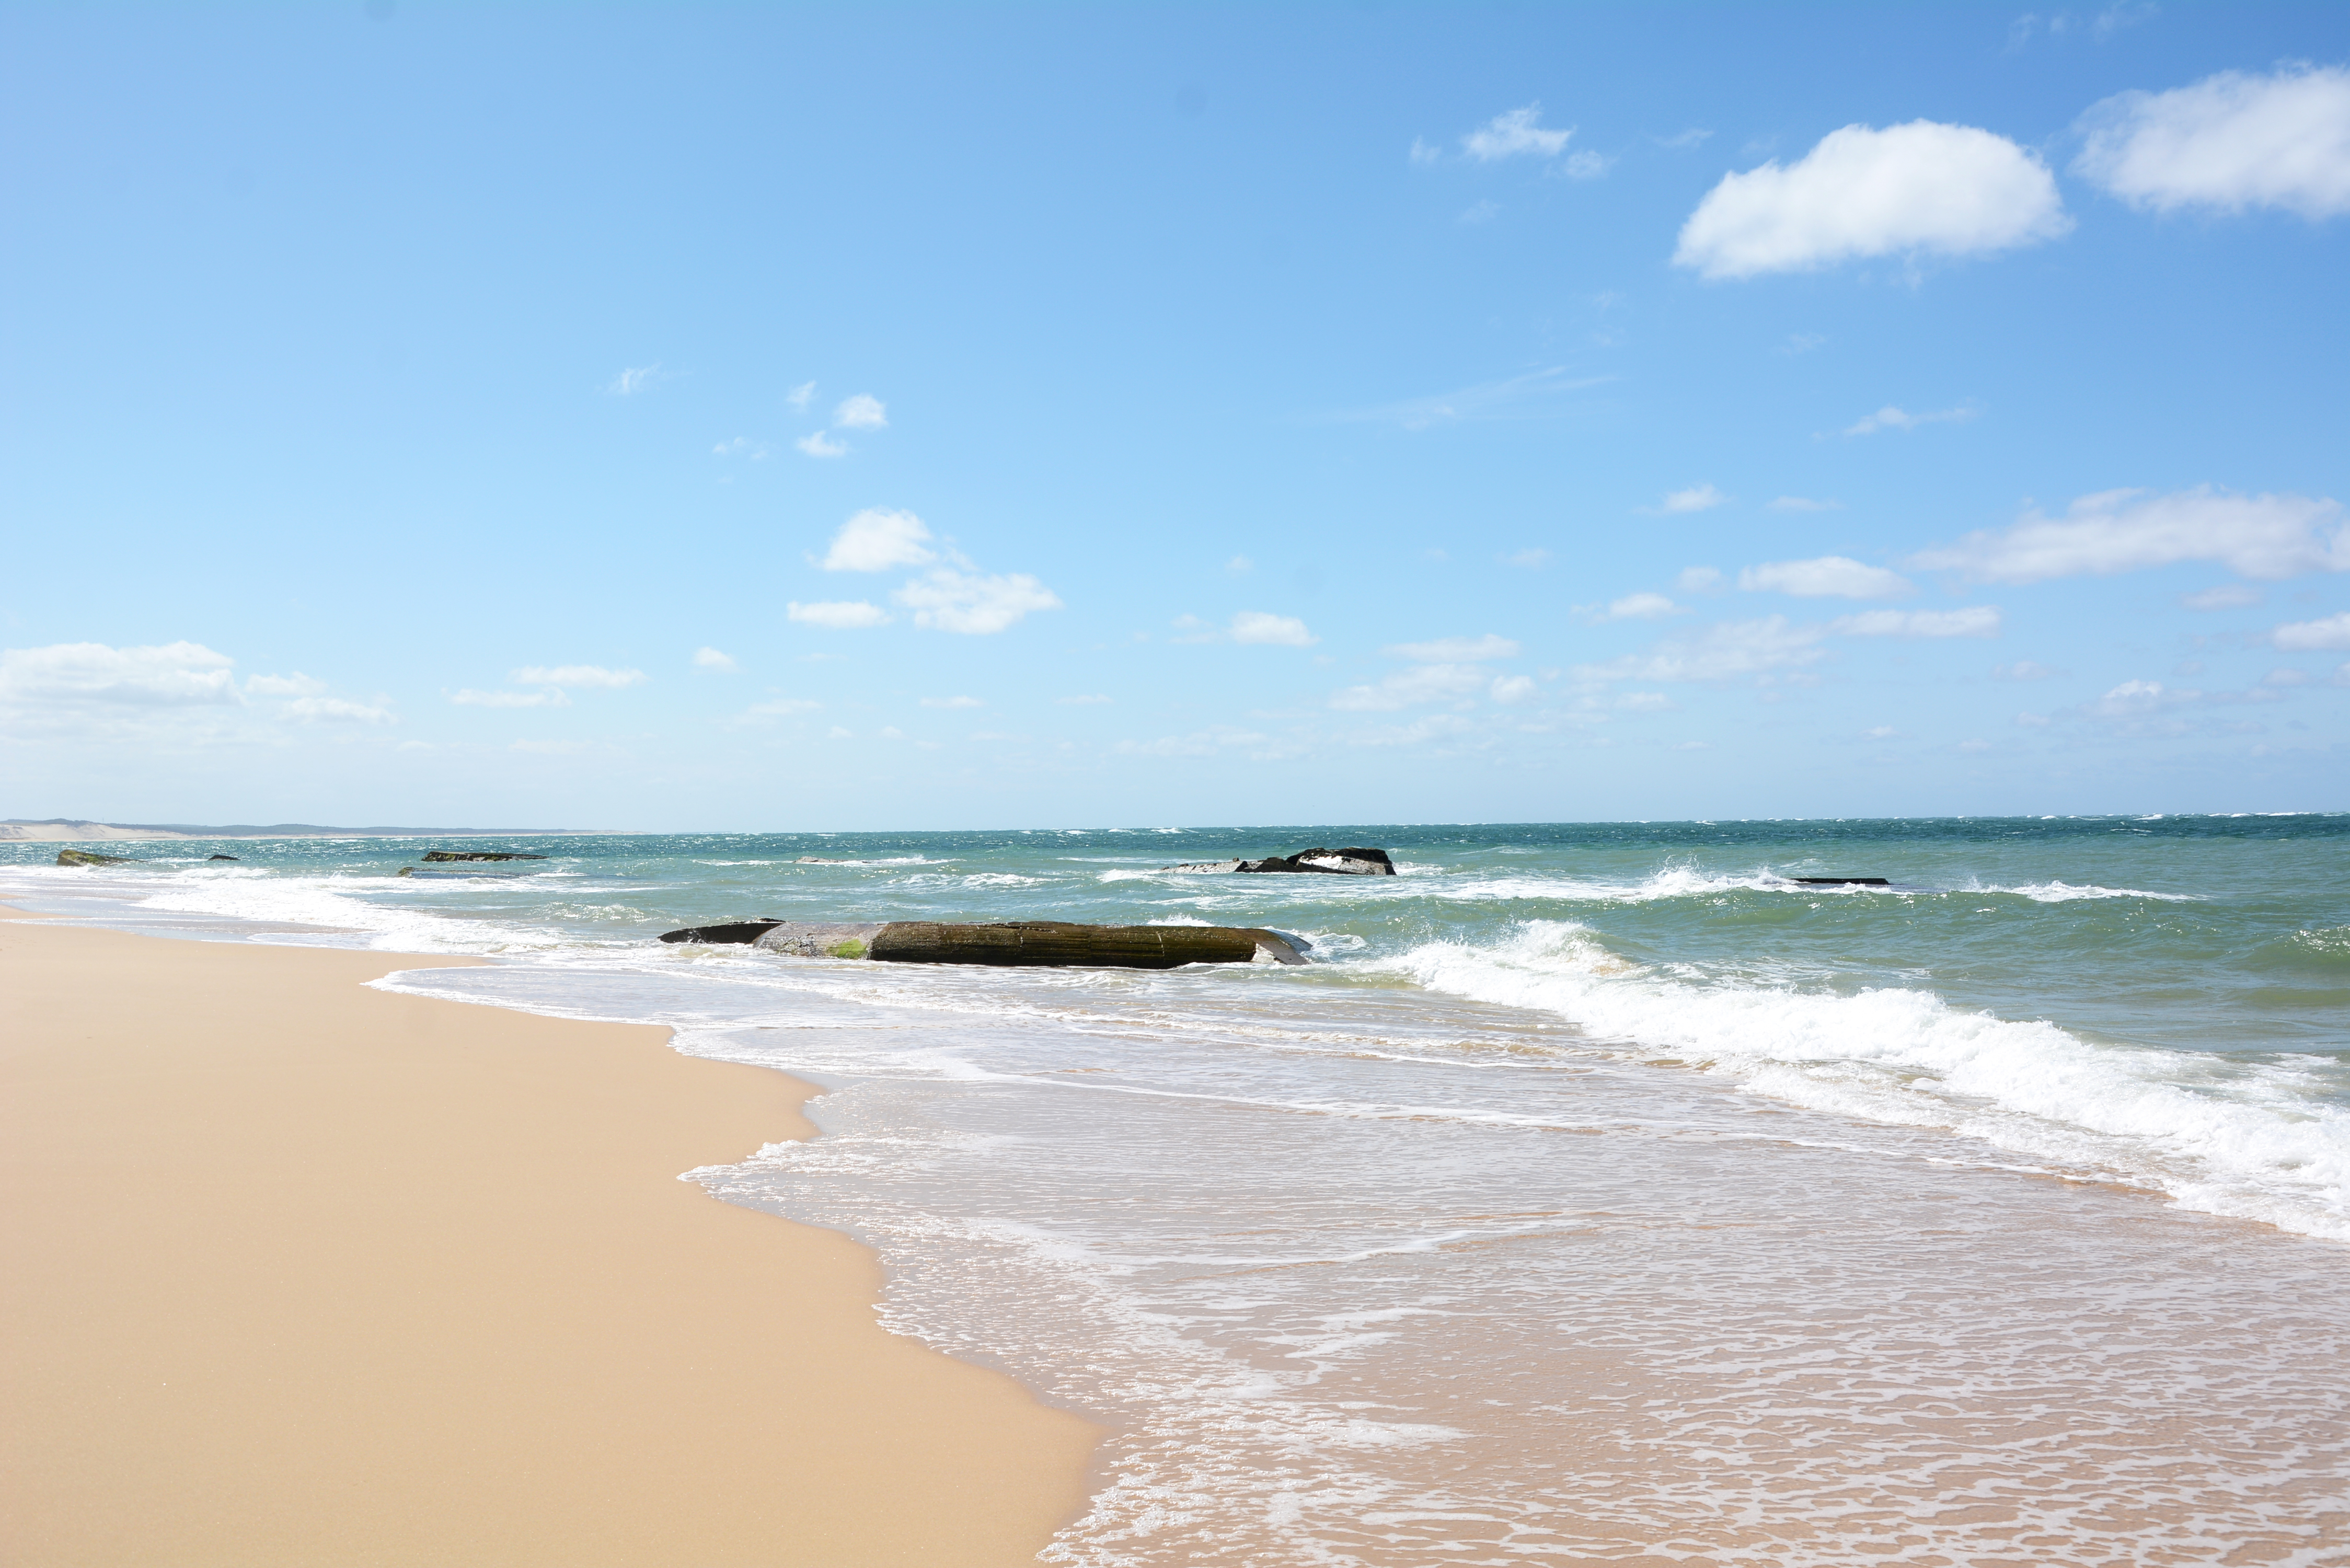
[[298, 1271]]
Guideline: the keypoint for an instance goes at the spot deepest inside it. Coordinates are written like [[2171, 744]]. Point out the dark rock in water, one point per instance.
[[223, 857], [430, 855], [1842, 881], [1349, 862], [738, 932], [88, 858], [1062, 944]]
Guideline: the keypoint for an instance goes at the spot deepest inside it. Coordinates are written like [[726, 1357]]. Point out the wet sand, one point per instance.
[[296, 1272]]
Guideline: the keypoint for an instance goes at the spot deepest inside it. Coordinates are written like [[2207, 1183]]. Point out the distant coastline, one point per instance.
[[73, 830]]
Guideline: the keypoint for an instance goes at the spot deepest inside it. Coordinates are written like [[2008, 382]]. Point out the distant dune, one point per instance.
[[68, 830]]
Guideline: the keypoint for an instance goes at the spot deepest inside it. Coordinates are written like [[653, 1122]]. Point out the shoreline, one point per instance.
[[303, 1271]]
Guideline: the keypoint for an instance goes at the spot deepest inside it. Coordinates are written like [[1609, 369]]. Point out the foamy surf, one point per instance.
[[2255, 1142]]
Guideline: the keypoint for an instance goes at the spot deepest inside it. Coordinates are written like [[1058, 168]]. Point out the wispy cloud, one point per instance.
[[974, 603], [1631, 607], [1456, 650], [1803, 503], [1517, 134], [1087, 700], [1517, 397], [295, 685], [862, 412], [952, 702], [2261, 536], [469, 698], [1835, 576], [1889, 417], [1264, 629], [741, 446], [629, 383], [2308, 636], [1408, 688], [576, 675], [838, 615], [337, 710], [2226, 596], [818, 444], [169, 675], [1696, 498], [711, 660], [1684, 140], [1975, 620], [1529, 560], [800, 396]]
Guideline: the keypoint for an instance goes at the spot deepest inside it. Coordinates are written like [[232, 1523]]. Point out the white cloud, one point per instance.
[[175, 674], [1089, 700], [1515, 134], [1533, 560], [1272, 630], [1693, 137], [1240, 567], [1803, 503], [2285, 678], [295, 685], [1422, 683], [949, 600], [1645, 702], [2303, 635], [1880, 732], [1422, 154], [1198, 744], [1585, 165], [316, 710], [469, 698], [1696, 498], [2227, 596], [838, 615], [1829, 576], [576, 675], [1698, 580], [629, 382], [2228, 143], [876, 539], [952, 702], [1889, 417], [799, 396], [1722, 652], [861, 413], [1510, 688], [711, 659], [741, 446], [1632, 606], [819, 444], [1456, 650], [1916, 189], [1975, 620], [1974, 746], [837, 734], [2023, 669], [2267, 536]]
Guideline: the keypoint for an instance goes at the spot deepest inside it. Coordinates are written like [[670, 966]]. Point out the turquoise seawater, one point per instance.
[[1597, 1188]]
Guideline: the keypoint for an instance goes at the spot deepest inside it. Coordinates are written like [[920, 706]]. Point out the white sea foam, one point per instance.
[[2251, 1142]]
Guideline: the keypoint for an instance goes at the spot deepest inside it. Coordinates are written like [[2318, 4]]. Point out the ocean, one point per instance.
[[1599, 1193]]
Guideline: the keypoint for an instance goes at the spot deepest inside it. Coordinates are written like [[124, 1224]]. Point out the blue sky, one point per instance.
[[775, 418]]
